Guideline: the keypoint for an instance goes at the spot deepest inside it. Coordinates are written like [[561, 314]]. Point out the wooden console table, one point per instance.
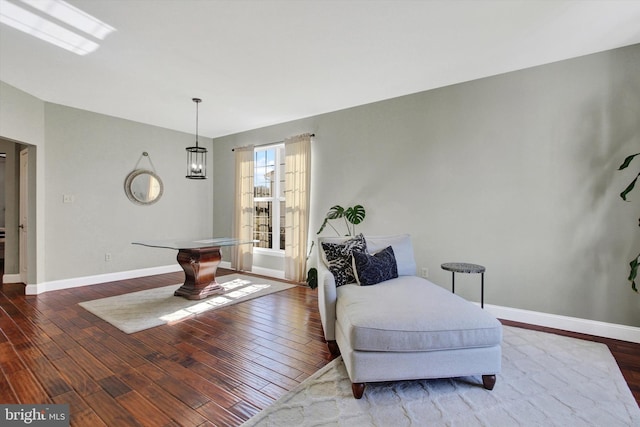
[[199, 259]]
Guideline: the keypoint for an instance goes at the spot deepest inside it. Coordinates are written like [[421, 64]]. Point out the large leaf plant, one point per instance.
[[633, 271], [352, 216]]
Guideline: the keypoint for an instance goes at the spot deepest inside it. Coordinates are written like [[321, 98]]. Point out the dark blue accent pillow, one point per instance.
[[372, 269], [338, 256]]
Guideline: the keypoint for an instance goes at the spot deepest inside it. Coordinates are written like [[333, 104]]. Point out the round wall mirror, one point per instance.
[[143, 187]]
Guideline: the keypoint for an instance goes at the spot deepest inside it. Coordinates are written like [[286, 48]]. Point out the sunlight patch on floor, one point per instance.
[[233, 290]]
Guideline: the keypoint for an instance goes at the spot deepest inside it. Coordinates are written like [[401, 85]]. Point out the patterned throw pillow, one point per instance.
[[338, 257], [372, 269]]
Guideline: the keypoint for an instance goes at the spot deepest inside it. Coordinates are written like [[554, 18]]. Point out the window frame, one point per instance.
[[277, 199]]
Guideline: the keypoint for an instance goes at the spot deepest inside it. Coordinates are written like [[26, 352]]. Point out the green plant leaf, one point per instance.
[[633, 272], [324, 224], [355, 215], [629, 188], [627, 161], [311, 249], [335, 212]]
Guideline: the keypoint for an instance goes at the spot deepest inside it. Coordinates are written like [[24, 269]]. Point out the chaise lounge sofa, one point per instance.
[[391, 325]]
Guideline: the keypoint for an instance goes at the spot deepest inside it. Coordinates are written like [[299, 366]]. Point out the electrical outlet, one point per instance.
[[68, 198], [107, 257], [425, 272]]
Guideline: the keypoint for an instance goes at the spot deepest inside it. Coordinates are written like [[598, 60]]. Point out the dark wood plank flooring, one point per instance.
[[219, 368]]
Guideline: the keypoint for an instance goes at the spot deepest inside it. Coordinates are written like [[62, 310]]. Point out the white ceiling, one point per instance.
[[257, 63]]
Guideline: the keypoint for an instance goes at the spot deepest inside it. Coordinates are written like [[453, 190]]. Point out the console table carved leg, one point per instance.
[[199, 267]]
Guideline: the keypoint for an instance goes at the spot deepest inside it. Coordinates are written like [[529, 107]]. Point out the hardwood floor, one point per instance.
[[218, 368]]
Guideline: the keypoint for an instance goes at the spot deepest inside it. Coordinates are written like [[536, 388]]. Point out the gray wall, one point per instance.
[[88, 157], [516, 172]]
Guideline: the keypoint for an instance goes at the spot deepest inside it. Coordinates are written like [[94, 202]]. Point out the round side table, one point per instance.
[[463, 267]]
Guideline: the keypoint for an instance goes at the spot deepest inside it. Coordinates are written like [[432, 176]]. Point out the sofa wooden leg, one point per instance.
[[333, 348], [488, 381], [358, 390]]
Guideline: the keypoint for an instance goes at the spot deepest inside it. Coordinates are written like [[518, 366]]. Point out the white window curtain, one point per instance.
[[242, 255], [297, 188]]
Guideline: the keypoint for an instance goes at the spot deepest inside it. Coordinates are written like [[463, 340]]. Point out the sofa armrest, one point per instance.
[[327, 298]]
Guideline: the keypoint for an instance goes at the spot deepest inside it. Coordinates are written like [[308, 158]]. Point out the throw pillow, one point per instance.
[[376, 268], [339, 255], [402, 249]]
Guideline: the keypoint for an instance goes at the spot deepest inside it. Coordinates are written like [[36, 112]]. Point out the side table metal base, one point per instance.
[[463, 267]]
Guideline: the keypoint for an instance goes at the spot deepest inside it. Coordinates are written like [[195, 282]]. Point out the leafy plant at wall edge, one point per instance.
[[312, 274], [353, 215], [633, 272]]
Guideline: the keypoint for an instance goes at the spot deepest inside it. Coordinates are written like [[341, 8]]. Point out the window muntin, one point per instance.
[[268, 217]]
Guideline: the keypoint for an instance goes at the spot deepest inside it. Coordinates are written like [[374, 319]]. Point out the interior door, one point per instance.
[[24, 197]]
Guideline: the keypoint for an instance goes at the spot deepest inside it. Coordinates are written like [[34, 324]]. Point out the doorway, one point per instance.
[[3, 180], [17, 191]]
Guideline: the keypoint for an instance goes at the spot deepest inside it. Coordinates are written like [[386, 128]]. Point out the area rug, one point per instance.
[[141, 310], [546, 380]]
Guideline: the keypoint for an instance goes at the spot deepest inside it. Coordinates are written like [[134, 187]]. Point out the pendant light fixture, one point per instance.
[[196, 156]]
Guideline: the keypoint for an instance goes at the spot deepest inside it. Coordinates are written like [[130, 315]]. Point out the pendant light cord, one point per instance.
[[197, 101]]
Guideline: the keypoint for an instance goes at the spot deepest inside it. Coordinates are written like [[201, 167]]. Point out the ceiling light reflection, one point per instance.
[[44, 29], [73, 16]]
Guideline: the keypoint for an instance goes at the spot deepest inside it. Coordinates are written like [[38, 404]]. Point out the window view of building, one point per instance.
[[268, 193]]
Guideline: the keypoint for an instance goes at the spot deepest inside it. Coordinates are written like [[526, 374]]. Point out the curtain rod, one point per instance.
[[273, 143]]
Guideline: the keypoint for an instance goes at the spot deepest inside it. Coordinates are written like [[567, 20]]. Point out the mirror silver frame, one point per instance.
[[140, 198]]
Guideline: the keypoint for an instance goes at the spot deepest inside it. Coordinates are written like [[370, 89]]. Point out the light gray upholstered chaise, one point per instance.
[[406, 327]]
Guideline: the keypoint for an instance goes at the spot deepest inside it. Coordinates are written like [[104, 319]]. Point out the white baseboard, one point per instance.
[[11, 278], [573, 324], [277, 274], [75, 282]]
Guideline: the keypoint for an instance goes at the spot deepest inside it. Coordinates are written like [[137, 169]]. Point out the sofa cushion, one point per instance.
[[402, 249], [338, 258], [410, 313], [372, 269]]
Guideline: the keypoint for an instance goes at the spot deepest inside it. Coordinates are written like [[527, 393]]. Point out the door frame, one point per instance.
[[23, 215]]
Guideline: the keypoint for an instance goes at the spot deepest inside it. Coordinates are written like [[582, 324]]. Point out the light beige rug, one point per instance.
[[141, 310], [546, 380]]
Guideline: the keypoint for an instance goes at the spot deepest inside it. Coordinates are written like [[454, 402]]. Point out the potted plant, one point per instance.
[[633, 271], [352, 215]]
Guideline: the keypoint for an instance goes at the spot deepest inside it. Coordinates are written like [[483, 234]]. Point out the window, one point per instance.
[[268, 197], [261, 197]]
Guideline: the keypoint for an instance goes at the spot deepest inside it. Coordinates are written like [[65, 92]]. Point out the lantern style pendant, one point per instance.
[[196, 156]]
